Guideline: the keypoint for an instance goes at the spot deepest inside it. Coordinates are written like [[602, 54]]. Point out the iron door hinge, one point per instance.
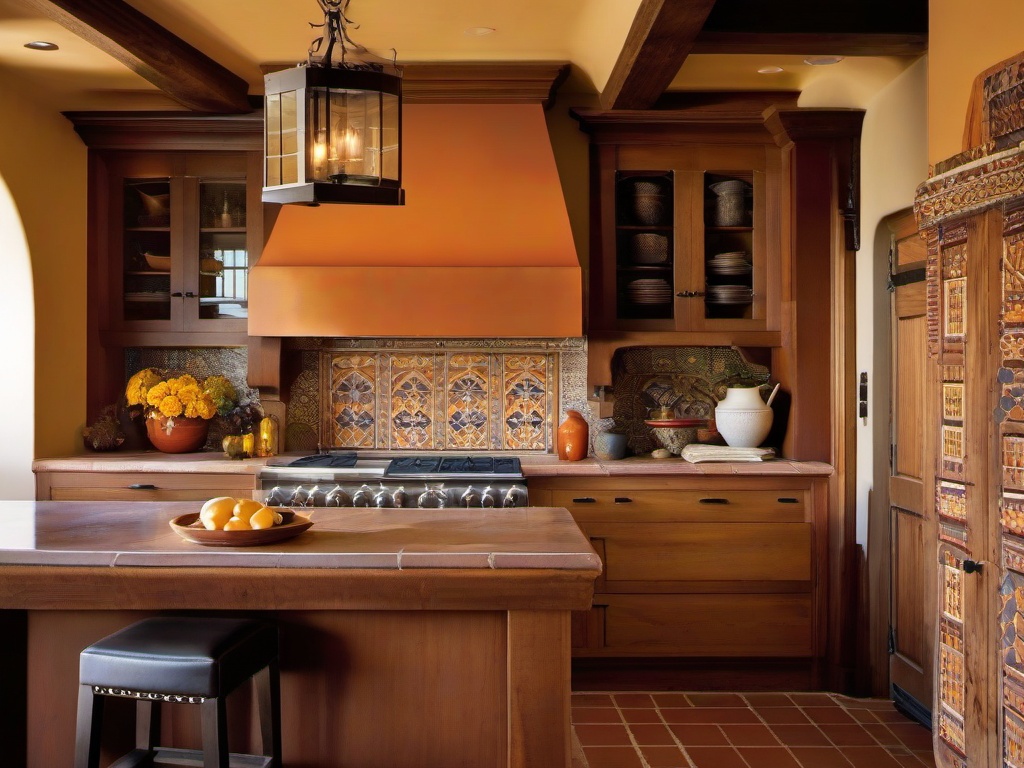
[[891, 643]]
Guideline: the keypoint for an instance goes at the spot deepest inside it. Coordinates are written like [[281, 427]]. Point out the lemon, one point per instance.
[[245, 508], [262, 518], [216, 512], [237, 524]]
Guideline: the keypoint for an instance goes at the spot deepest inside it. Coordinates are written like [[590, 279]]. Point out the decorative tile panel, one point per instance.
[[468, 420], [952, 429], [524, 389], [1011, 621], [353, 401], [413, 396], [950, 674], [952, 501]]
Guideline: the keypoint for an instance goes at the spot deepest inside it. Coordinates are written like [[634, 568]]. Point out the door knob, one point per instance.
[[972, 566]]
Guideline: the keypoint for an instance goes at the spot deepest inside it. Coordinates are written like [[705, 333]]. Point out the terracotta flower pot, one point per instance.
[[185, 435]]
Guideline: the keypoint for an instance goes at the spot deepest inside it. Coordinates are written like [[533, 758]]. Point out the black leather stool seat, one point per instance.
[[192, 660]]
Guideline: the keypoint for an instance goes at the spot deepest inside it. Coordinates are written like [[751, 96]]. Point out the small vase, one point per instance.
[[184, 435], [573, 436], [743, 418], [610, 446]]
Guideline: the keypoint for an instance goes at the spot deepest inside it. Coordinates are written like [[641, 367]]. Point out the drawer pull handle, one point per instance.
[[714, 501], [788, 500], [142, 487], [584, 500], [623, 500]]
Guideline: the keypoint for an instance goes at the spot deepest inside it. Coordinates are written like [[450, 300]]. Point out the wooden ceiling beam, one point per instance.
[[148, 49], [658, 42], [812, 44]]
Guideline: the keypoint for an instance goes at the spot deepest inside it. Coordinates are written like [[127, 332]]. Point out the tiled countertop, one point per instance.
[[533, 465]]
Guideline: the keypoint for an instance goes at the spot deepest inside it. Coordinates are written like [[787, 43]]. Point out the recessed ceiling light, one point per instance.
[[821, 61], [770, 70], [479, 31], [42, 45]]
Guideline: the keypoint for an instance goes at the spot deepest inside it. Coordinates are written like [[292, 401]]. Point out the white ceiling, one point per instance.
[[242, 34]]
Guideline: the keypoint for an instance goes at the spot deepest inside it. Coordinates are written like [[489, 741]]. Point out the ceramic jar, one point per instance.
[[743, 418], [572, 439], [610, 446], [178, 435], [730, 209]]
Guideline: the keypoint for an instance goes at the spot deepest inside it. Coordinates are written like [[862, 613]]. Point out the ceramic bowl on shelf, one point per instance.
[[649, 248], [158, 263], [674, 439]]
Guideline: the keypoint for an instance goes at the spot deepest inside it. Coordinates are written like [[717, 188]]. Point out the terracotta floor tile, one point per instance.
[[820, 757], [671, 700], [653, 735], [908, 761], [758, 700], [603, 735], [595, 715], [870, 757], [848, 735], [612, 757], [915, 736], [863, 715], [891, 716], [699, 735], [768, 757], [716, 700], [652, 716], [828, 715], [710, 715], [715, 757], [634, 700], [783, 715], [743, 735], [926, 757], [884, 704], [800, 736], [813, 700], [665, 757], [882, 735], [592, 700]]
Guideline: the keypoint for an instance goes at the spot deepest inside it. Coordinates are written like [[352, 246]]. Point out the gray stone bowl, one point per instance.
[[674, 439]]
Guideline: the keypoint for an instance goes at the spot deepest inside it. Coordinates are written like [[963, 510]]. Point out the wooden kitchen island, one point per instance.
[[410, 638]]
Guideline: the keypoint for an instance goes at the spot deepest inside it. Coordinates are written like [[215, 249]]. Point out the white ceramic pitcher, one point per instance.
[[743, 418]]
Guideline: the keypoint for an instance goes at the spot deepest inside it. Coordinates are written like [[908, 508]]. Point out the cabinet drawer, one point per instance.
[[141, 486], [719, 505], [704, 551], [708, 625]]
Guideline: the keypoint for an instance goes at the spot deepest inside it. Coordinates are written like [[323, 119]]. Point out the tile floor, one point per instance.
[[745, 730]]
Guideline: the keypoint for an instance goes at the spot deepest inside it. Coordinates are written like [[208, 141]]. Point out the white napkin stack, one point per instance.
[[696, 452]]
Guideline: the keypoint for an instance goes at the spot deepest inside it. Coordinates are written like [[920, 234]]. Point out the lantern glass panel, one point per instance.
[[346, 128], [391, 136], [282, 143]]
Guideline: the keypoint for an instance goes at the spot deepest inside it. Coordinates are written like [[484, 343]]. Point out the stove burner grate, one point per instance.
[[330, 460], [452, 465]]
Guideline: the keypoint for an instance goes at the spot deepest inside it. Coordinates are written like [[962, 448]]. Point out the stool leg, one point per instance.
[[215, 733], [147, 724], [268, 695], [88, 729]]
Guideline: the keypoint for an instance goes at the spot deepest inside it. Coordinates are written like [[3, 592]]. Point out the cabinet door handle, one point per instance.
[[788, 500], [189, 295], [690, 294], [142, 487], [176, 294], [623, 500], [584, 500], [714, 501], [972, 566]]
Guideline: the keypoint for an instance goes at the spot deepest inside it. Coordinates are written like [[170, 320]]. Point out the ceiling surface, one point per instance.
[[630, 52]]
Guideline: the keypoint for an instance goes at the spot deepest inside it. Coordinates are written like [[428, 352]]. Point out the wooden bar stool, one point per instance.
[[188, 660]]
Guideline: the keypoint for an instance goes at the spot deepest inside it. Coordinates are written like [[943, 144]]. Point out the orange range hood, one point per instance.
[[481, 248]]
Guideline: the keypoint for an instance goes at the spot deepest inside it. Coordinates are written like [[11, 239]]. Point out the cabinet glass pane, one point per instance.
[[728, 244], [147, 249], [223, 256], [645, 249]]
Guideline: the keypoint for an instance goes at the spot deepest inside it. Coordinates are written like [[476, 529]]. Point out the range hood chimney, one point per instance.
[[482, 247]]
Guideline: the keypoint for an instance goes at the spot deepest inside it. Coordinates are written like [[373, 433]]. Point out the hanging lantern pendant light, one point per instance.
[[333, 130]]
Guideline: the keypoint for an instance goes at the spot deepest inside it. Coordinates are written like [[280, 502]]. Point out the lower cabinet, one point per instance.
[[700, 567], [142, 486]]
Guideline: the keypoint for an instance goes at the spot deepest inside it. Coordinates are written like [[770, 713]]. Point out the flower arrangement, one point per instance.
[[160, 394]]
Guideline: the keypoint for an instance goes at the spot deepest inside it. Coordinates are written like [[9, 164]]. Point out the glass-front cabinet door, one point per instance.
[[183, 240]]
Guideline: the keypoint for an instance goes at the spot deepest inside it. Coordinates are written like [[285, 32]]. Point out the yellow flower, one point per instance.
[[201, 407], [138, 386], [157, 393], [188, 394], [171, 406], [179, 383], [180, 395], [222, 391]]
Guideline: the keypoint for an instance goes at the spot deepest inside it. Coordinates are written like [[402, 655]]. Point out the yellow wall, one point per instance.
[[965, 38], [43, 163]]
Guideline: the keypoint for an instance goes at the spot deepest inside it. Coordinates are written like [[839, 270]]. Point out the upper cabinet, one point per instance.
[[685, 229]]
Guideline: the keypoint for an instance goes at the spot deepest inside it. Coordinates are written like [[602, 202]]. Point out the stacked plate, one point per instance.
[[649, 291], [731, 263], [650, 248], [729, 294]]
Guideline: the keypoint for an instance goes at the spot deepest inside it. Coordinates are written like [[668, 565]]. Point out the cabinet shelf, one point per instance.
[[728, 229], [147, 229], [644, 227]]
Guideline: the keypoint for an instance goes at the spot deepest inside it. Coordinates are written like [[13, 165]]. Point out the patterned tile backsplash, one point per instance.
[[501, 395]]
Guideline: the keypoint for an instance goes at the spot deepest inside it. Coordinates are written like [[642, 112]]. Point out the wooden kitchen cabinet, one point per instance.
[[669, 254], [142, 486], [701, 568]]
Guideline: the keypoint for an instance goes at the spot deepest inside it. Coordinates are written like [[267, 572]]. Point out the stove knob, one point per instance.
[[382, 498], [489, 498], [315, 498], [434, 497], [470, 498], [337, 497], [399, 498], [363, 497], [515, 497], [276, 497], [299, 496]]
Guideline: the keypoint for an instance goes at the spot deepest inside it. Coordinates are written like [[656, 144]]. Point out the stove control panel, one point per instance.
[[397, 495]]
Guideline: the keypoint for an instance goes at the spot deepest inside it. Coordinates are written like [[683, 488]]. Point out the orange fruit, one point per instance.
[[262, 518], [237, 524], [216, 512], [245, 508]]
